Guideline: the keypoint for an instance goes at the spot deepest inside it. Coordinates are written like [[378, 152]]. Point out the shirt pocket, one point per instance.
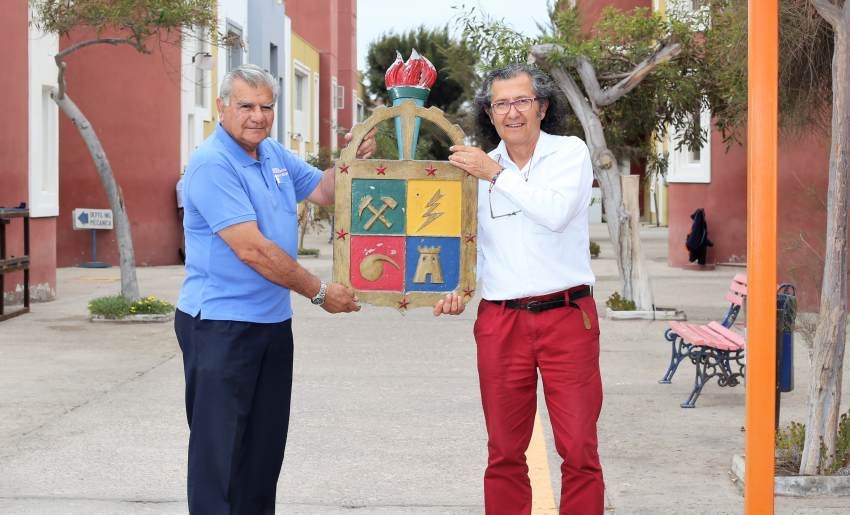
[[286, 194]]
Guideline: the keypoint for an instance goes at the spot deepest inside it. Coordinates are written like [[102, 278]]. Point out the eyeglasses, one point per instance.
[[504, 106]]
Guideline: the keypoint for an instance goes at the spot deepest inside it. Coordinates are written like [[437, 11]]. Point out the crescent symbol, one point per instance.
[[371, 268]]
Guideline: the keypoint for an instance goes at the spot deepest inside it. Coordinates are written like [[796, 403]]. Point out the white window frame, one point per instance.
[[683, 167], [43, 134], [301, 118]]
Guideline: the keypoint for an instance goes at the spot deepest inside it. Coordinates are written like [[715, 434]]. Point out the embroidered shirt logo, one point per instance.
[[279, 174]]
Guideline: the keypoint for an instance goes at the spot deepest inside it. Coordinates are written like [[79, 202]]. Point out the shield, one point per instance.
[[405, 230]]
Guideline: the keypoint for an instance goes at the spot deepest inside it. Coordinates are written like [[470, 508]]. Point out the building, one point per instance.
[[303, 103], [331, 27], [28, 143]]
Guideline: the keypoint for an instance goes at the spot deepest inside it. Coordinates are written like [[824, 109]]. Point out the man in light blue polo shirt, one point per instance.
[[233, 319]]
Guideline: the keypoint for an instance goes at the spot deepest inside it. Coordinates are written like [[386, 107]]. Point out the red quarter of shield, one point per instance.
[[377, 263]]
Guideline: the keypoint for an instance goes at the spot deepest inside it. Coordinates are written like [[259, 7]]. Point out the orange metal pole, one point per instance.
[[763, 64]]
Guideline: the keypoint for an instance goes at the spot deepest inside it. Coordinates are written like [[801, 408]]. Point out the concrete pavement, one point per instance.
[[386, 416]]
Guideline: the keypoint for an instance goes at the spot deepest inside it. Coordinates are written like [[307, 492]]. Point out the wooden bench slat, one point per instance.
[[734, 299], [738, 288], [730, 335]]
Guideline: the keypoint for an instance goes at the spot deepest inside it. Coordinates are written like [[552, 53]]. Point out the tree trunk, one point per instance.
[[127, 260], [630, 262], [829, 342]]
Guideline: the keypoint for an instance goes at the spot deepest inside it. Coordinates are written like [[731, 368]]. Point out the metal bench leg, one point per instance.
[[679, 351], [705, 368]]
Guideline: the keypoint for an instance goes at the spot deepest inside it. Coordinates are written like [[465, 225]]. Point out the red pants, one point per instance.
[[512, 345]]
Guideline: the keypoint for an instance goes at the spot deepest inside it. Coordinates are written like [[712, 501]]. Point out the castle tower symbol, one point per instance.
[[429, 264]]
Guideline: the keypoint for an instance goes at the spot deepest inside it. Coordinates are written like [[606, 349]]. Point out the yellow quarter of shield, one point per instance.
[[433, 208]]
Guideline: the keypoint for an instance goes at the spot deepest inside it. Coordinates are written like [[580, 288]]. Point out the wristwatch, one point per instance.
[[319, 299]]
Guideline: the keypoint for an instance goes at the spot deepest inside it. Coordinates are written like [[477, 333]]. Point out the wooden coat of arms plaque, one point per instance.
[[405, 230]]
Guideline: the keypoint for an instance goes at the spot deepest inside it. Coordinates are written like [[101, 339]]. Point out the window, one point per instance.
[[233, 40], [692, 166], [339, 97], [300, 91]]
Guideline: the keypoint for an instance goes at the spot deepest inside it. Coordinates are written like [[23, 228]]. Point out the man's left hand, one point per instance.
[[474, 161], [367, 146]]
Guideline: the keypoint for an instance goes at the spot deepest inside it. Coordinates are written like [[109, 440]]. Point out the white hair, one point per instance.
[[250, 74]]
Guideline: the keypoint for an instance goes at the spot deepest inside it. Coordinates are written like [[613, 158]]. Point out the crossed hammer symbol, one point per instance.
[[377, 213]]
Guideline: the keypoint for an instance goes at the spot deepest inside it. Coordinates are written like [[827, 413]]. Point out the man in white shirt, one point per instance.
[[537, 310]]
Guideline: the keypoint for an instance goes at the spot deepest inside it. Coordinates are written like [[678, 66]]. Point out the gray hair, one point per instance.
[[544, 89], [250, 74]]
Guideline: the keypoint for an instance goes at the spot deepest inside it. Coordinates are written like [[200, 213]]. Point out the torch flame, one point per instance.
[[417, 72]]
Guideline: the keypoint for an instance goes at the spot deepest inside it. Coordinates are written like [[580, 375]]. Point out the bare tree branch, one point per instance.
[[613, 93], [829, 11], [89, 42]]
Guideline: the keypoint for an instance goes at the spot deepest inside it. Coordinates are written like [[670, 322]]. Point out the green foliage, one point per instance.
[[805, 66], [789, 449], [594, 249], [617, 303], [137, 20], [454, 61], [619, 41], [119, 307]]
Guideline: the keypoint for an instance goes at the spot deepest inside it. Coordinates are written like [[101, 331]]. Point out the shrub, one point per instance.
[[594, 249], [119, 307], [618, 303], [789, 449]]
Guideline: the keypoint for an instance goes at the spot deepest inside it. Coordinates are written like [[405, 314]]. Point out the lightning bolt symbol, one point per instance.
[[429, 215]]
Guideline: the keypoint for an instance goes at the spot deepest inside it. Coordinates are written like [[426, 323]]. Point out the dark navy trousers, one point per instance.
[[238, 390]]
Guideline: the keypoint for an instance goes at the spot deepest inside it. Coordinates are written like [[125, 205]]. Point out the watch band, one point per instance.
[[319, 299]]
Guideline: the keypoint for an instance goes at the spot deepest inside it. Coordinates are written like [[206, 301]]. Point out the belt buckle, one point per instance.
[[535, 306]]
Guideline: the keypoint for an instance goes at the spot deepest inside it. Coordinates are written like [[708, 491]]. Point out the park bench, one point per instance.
[[718, 351], [680, 347]]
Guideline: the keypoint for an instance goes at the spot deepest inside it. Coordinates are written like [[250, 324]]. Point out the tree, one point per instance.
[[831, 332], [115, 22], [633, 74]]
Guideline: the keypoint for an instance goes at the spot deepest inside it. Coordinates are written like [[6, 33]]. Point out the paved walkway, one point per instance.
[[386, 415]]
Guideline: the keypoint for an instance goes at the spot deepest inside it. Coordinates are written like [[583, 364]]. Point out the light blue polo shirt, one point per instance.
[[224, 186]]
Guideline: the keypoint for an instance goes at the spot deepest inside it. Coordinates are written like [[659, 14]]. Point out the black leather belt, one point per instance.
[[550, 301]]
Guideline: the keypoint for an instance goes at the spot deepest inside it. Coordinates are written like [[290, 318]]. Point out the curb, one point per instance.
[[133, 319], [797, 486], [658, 314]]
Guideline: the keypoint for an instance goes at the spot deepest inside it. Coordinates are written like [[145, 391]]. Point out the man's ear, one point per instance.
[[219, 104], [541, 113]]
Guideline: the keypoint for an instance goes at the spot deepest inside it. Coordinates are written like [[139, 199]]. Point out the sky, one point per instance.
[[377, 17]]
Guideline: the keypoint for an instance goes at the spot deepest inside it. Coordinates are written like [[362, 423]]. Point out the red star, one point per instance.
[[431, 171], [341, 234], [343, 168], [402, 304], [468, 292], [382, 170], [469, 238]]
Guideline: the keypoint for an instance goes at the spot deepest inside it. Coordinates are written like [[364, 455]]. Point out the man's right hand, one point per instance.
[[340, 299]]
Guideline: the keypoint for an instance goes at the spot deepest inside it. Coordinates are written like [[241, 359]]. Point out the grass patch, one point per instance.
[[118, 307], [308, 252], [618, 303]]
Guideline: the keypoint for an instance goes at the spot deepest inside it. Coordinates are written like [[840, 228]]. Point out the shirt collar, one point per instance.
[[546, 144], [238, 153]]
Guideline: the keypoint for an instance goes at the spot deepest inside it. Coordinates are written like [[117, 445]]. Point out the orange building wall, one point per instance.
[[133, 102], [347, 61], [591, 9], [317, 21], [14, 173], [803, 169]]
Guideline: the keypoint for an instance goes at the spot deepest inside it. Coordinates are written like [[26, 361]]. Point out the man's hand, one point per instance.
[[367, 146], [474, 161], [340, 299], [451, 305]]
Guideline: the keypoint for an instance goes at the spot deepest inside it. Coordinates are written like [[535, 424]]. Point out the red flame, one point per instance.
[[417, 72]]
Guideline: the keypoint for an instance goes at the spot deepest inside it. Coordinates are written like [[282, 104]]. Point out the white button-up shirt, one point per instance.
[[545, 246]]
